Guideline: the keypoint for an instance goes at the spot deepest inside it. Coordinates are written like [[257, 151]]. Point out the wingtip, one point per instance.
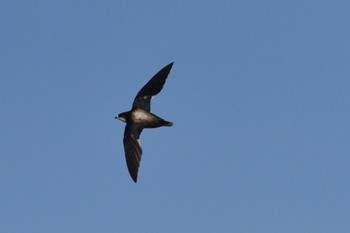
[[170, 64], [134, 178]]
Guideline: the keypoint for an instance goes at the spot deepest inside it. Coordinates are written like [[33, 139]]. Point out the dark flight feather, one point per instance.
[[132, 148], [152, 88]]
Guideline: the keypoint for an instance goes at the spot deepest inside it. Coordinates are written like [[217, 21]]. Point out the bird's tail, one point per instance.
[[167, 123]]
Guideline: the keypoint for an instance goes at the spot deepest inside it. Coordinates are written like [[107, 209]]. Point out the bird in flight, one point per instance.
[[140, 117]]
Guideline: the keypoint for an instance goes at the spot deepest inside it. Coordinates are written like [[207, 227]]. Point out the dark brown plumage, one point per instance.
[[140, 117]]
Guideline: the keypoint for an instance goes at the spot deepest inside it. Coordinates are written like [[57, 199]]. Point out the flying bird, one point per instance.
[[140, 117]]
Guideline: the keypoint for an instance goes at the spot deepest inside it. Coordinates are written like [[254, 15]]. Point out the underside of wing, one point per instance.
[[133, 150], [152, 88]]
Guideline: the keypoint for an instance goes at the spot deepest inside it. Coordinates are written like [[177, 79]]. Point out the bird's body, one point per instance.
[[144, 118], [140, 117]]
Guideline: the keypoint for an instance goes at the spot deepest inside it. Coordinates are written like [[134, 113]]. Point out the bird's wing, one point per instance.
[[132, 147], [152, 88]]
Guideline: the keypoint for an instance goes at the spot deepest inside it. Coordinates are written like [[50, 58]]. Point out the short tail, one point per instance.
[[167, 123]]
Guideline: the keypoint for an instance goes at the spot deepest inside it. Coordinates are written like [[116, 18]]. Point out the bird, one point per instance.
[[140, 117]]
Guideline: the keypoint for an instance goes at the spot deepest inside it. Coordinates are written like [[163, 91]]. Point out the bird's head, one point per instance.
[[122, 116]]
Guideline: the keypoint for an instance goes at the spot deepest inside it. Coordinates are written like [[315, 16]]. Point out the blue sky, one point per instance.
[[259, 97]]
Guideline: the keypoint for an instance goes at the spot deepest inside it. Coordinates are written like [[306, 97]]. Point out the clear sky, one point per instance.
[[259, 96]]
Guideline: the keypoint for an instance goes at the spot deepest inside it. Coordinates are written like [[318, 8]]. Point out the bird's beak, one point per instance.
[[120, 118]]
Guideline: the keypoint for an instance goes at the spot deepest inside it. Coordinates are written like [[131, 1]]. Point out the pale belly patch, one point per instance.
[[142, 116]]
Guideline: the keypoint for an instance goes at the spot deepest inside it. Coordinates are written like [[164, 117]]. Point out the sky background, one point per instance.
[[259, 96]]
